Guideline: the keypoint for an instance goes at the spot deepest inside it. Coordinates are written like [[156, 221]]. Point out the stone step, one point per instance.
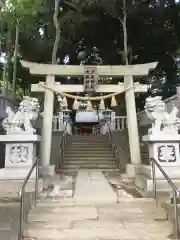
[[89, 166], [84, 142], [61, 203], [81, 163], [73, 170], [91, 154], [101, 141], [10, 188], [121, 232], [89, 145], [86, 137], [72, 202], [101, 224], [87, 161], [97, 159], [136, 211], [89, 140], [82, 157], [49, 225], [87, 150], [89, 135], [57, 217], [169, 209], [67, 210], [125, 238], [77, 238]]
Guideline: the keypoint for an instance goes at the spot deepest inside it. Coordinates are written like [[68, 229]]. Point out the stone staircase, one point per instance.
[[97, 212], [88, 152], [67, 219]]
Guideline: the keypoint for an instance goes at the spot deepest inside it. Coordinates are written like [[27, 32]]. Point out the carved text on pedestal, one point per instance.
[[19, 154], [167, 153]]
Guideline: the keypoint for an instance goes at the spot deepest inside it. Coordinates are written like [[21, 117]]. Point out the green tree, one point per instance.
[[13, 14], [152, 35]]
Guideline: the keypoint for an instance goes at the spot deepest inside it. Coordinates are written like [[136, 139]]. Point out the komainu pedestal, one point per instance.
[[163, 144], [20, 140], [20, 155], [165, 150]]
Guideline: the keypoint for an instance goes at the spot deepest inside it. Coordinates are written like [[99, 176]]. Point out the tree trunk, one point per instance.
[[58, 31], [7, 63], [124, 24], [2, 2], [1, 37], [15, 62], [4, 76]]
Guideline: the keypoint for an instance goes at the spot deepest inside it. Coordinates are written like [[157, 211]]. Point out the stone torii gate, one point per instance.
[[50, 71]]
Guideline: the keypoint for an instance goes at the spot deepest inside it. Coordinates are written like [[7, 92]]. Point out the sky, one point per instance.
[[2, 58]]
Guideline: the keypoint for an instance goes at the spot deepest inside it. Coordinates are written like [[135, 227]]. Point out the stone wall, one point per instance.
[[122, 142], [143, 130], [55, 148], [55, 143]]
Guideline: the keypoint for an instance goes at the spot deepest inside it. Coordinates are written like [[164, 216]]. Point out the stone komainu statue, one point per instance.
[[21, 120], [161, 120]]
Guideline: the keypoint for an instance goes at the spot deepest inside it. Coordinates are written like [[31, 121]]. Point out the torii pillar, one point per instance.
[[50, 71], [132, 122], [45, 151]]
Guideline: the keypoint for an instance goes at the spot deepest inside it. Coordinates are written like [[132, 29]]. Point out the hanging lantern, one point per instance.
[[113, 102], [64, 102], [102, 105], [75, 105], [89, 106]]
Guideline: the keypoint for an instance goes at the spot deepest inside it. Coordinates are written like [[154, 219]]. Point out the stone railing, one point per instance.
[[57, 123], [118, 124]]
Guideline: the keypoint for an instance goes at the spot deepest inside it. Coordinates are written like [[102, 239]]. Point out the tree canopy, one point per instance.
[[91, 29]]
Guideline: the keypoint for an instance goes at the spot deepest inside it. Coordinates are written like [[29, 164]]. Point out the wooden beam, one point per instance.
[[106, 88], [111, 88], [78, 70]]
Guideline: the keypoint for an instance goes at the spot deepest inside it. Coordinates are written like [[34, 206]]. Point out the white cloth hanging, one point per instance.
[[88, 117]]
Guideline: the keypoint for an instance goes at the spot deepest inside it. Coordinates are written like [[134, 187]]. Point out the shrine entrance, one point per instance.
[[92, 84], [89, 114]]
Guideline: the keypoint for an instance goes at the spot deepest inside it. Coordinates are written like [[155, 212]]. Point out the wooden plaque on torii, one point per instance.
[[91, 79]]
